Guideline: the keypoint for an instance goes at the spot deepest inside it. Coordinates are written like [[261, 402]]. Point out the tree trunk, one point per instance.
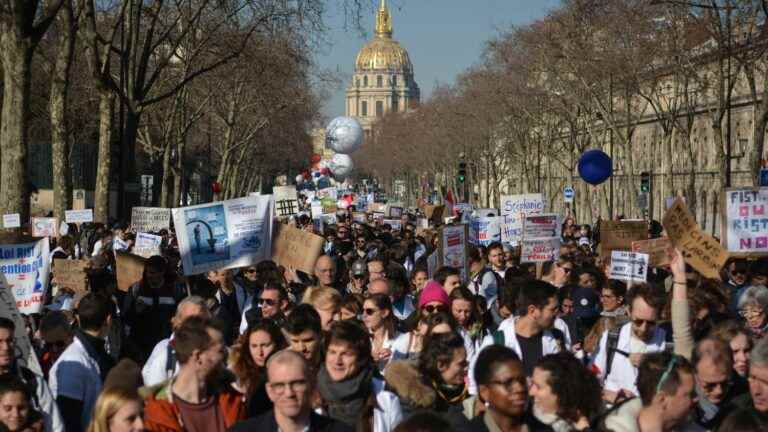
[[104, 164], [17, 63], [758, 138], [62, 177], [165, 189]]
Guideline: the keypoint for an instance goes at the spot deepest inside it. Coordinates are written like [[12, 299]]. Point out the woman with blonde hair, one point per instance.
[[118, 409], [327, 303]]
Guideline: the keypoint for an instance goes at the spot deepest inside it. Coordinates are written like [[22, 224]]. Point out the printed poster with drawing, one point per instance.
[[224, 234], [25, 270], [453, 248]]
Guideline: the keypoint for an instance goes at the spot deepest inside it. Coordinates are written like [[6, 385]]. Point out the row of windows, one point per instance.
[[379, 108], [379, 81]]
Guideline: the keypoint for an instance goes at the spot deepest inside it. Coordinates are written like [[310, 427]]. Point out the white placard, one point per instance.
[[25, 269], [150, 219], [147, 245], [485, 230], [543, 226], [224, 234], [629, 266], [79, 216], [515, 208], [286, 200], [746, 218], [453, 248], [12, 220], [540, 250]]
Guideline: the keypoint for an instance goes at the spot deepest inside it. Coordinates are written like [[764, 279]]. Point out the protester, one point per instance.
[[351, 307], [57, 334], [272, 303], [303, 331], [118, 409], [433, 299], [753, 307], [327, 302], [447, 277], [737, 337], [756, 401], [467, 314], [419, 278], [16, 412], [557, 272], [483, 280], [380, 323]]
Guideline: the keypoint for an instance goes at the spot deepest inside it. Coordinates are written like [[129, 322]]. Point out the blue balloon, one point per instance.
[[595, 166]]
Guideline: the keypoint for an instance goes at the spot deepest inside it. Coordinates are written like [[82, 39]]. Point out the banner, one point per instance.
[[699, 249], [515, 208], [540, 250], [297, 248], [45, 227], [485, 230], [657, 250], [224, 234], [12, 220], [129, 269], [78, 216], [150, 219], [25, 268], [453, 248], [147, 245], [286, 200], [746, 219], [619, 235], [70, 274], [629, 266]]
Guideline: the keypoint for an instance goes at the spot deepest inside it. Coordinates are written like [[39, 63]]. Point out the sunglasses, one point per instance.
[[641, 322], [249, 271], [369, 311], [268, 302], [433, 308]]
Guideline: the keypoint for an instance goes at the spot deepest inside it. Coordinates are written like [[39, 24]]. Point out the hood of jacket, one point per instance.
[[403, 379]]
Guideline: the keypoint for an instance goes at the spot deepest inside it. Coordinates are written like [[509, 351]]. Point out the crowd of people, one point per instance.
[[377, 340]]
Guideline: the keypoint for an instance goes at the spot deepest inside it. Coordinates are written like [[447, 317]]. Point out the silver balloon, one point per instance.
[[343, 135], [341, 165]]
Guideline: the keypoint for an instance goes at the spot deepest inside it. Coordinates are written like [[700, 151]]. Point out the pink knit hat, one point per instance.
[[433, 292]]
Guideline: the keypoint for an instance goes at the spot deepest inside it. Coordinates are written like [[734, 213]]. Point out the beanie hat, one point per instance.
[[433, 292]]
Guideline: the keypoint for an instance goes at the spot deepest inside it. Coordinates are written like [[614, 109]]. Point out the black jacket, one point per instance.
[[267, 423]]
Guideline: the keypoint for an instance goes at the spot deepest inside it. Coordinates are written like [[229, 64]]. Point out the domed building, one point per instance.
[[383, 78]]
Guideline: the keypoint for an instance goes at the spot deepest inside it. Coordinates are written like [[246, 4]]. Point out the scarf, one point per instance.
[[345, 399], [450, 394], [554, 421]]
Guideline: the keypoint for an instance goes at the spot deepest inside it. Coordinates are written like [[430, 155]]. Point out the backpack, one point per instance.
[[612, 345], [499, 281], [30, 381], [499, 339]]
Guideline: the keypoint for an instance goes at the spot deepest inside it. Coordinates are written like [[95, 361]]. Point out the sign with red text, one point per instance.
[[25, 269], [746, 219]]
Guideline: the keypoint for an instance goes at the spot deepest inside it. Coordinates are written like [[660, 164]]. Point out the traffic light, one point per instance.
[[462, 177], [645, 182]]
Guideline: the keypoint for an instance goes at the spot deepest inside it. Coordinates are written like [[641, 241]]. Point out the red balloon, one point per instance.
[[325, 171], [306, 174], [216, 186], [315, 158]]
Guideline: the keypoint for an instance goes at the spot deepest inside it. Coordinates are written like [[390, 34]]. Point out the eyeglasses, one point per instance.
[[642, 322], [370, 311], [433, 308], [711, 386], [296, 386], [362, 276], [751, 313], [508, 384], [738, 273], [268, 302], [249, 270]]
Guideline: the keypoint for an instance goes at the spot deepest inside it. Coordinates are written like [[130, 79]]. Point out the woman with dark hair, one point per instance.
[[468, 316], [614, 313], [408, 345], [352, 392], [437, 382], [351, 307], [566, 395], [380, 322], [737, 337], [248, 360]]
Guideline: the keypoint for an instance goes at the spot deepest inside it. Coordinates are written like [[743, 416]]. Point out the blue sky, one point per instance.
[[443, 37]]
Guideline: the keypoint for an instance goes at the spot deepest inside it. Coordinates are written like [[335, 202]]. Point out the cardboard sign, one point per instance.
[[540, 250], [78, 216], [629, 266], [12, 220], [746, 221], [699, 249], [150, 219], [657, 250], [541, 226], [147, 245], [71, 274], [286, 200], [453, 248], [297, 248], [44, 227], [129, 269], [619, 235]]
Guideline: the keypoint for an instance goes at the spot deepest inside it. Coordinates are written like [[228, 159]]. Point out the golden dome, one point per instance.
[[383, 52]]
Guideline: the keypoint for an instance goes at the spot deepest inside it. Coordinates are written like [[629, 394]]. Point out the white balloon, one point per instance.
[[341, 165], [343, 135], [342, 204], [299, 179]]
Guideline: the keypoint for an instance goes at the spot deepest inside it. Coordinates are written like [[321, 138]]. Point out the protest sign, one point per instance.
[[78, 216], [395, 212], [330, 192], [147, 245], [432, 263], [377, 207], [629, 266], [12, 220], [511, 233], [396, 224], [44, 227], [657, 250], [541, 226], [746, 220], [464, 208], [619, 235], [298, 249], [70, 274], [359, 217], [515, 208], [699, 249], [150, 219], [25, 268], [316, 209], [224, 234], [453, 248], [129, 269], [485, 230], [286, 200], [540, 250]]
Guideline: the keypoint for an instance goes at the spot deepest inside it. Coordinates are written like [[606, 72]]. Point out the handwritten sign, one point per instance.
[[657, 250], [515, 208], [286, 200], [629, 266], [79, 216], [150, 219], [746, 218], [297, 248], [130, 269], [12, 220], [619, 235], [699, 249], [44, 227], [71, 274], [540, 250]]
